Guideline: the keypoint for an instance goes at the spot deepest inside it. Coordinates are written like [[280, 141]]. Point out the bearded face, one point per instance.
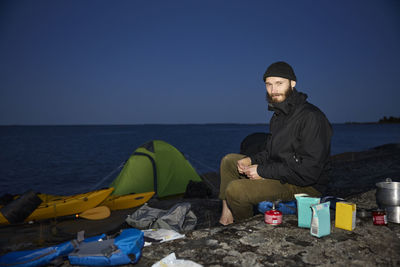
[[280, 97], [278, 89]]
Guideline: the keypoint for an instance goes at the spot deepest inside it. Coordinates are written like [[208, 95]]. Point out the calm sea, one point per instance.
[[76, 159]]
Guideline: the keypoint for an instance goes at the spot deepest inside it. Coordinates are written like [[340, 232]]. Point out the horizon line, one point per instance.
[[150, 124]]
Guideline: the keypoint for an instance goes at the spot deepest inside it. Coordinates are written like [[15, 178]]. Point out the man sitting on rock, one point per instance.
[[295, 159]]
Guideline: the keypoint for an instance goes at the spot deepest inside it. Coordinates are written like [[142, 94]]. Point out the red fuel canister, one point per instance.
[[379, 217], [273, 216]]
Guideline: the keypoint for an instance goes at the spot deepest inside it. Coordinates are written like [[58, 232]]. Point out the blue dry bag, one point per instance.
[[41, 256], [126, 248]]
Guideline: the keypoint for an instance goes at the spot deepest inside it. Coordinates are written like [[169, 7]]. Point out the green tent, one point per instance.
[[155, 166]]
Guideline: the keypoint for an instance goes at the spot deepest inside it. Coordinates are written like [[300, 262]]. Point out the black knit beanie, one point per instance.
[[280, 69]]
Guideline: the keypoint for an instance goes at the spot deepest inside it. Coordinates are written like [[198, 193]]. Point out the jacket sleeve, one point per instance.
[[260, 158], [303, 165]]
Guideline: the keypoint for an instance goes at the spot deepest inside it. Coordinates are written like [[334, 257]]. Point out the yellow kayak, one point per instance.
[[126, 201], [56, 206], [3, 219], [112, 201]]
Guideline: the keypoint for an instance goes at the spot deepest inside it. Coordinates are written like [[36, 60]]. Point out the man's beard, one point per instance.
[[286, 94]]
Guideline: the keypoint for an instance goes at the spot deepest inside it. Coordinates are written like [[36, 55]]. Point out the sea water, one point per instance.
[[76, 159]]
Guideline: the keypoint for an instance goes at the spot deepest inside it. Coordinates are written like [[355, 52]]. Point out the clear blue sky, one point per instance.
[[133, 62]]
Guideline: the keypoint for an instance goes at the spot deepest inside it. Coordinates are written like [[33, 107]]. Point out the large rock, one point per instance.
[[357, 172]]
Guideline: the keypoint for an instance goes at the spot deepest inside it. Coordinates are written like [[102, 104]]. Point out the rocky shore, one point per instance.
[[252, 242]]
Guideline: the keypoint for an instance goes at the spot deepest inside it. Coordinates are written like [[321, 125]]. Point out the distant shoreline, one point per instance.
[[377, 122], [384, 120]]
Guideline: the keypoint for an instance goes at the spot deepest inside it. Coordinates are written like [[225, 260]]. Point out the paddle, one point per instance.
[[97, 213]]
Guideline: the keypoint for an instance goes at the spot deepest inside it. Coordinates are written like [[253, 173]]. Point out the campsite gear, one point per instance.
[[388, 198], [379, 217], [178, 218], [286, 208], [17, 210], [155, 166], [112, 201], [321, 219], [126, 201], [388, 193], [126, 248], [97, 213], [304, 213], [43, 256], [3, 220], [273, 216], [345, 216], [67, 205], [160, 236]]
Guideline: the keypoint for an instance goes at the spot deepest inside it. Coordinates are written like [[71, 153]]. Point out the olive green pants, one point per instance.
[[242, 193]]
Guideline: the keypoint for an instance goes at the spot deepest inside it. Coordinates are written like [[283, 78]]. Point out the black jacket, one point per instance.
[[298, 149]]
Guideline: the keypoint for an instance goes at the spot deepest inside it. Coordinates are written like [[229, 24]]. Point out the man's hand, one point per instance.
[[251, 172], [243, 164]]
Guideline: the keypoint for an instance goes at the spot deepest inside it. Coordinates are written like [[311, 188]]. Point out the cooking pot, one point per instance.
[[388, 197], [388, 193]]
